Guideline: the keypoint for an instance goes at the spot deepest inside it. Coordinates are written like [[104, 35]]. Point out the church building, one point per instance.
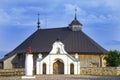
[[57, 51]]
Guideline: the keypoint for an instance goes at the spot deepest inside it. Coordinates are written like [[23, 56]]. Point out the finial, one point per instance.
[[57, 39], [75, 13], [38, 23]]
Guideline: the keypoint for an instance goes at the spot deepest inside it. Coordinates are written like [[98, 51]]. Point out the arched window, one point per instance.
[[71, 68], [44, 68]]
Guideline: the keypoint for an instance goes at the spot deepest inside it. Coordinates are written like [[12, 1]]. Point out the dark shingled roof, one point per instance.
[[74, 41]]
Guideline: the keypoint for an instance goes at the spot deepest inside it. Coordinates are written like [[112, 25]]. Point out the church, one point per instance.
[[57, 51]]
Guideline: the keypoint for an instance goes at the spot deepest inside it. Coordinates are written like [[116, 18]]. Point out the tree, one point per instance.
[[113, 58]]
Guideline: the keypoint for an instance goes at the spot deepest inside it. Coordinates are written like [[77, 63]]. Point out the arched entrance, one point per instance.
[[71, 68], [58, 67]]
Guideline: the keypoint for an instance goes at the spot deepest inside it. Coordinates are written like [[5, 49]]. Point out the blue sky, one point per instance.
[[18, 18]]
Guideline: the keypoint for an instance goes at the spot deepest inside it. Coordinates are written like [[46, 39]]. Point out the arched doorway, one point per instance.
[[44, 68], [58, 67], [71, 68]]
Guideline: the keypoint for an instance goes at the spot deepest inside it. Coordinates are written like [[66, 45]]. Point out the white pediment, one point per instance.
[[58, 48]]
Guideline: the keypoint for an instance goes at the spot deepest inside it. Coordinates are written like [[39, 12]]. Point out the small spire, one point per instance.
[[38, 23], [75, 13]]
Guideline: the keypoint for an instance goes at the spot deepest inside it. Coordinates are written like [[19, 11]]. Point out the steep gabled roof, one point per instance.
[[74, 41]]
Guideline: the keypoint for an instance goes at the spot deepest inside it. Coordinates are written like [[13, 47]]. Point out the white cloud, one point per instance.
[[70, 8], [15, 17], [92, 19], [17, 11], [23, 14], [4, 17], [113, 4]]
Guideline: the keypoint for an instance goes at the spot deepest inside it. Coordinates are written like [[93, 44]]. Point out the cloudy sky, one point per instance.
[[18, 18]]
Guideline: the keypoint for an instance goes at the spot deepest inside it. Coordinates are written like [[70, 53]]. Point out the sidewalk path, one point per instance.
[[65, 77]]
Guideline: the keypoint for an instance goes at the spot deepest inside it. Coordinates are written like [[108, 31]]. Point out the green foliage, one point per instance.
[[113, 58]]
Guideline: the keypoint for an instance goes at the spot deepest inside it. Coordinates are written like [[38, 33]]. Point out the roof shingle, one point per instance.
[[74, 41]]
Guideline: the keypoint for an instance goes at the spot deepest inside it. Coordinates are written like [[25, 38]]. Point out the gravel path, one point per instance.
[[65, 77]]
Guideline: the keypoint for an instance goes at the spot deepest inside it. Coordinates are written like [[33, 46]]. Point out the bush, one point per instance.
[[113, 58]]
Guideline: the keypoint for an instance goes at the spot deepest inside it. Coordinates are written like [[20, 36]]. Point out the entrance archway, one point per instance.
[[58, 67]]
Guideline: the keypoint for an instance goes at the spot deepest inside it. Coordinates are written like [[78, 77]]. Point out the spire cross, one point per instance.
[[38, 23], [75, 13]]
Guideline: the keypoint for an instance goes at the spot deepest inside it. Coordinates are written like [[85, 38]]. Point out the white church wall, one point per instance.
[[51, 59], [57, 53]]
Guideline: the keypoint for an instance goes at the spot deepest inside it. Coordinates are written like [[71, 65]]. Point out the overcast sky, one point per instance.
[[18, 18]]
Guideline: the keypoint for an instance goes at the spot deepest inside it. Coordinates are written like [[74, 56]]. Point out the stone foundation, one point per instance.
[[104, 71], [12, 72]]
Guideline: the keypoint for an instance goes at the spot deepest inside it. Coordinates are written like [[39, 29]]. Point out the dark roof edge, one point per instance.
[[96, 44], [11, 53]]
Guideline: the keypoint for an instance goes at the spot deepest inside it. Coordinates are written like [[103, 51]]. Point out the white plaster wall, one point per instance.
[[50, 59], [57, 53]]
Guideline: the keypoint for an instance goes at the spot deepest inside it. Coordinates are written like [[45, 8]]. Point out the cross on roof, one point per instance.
[[38, 23], [75, 13]]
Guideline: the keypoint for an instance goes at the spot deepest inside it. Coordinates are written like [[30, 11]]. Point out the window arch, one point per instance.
[[71, 68], [44, 68]]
